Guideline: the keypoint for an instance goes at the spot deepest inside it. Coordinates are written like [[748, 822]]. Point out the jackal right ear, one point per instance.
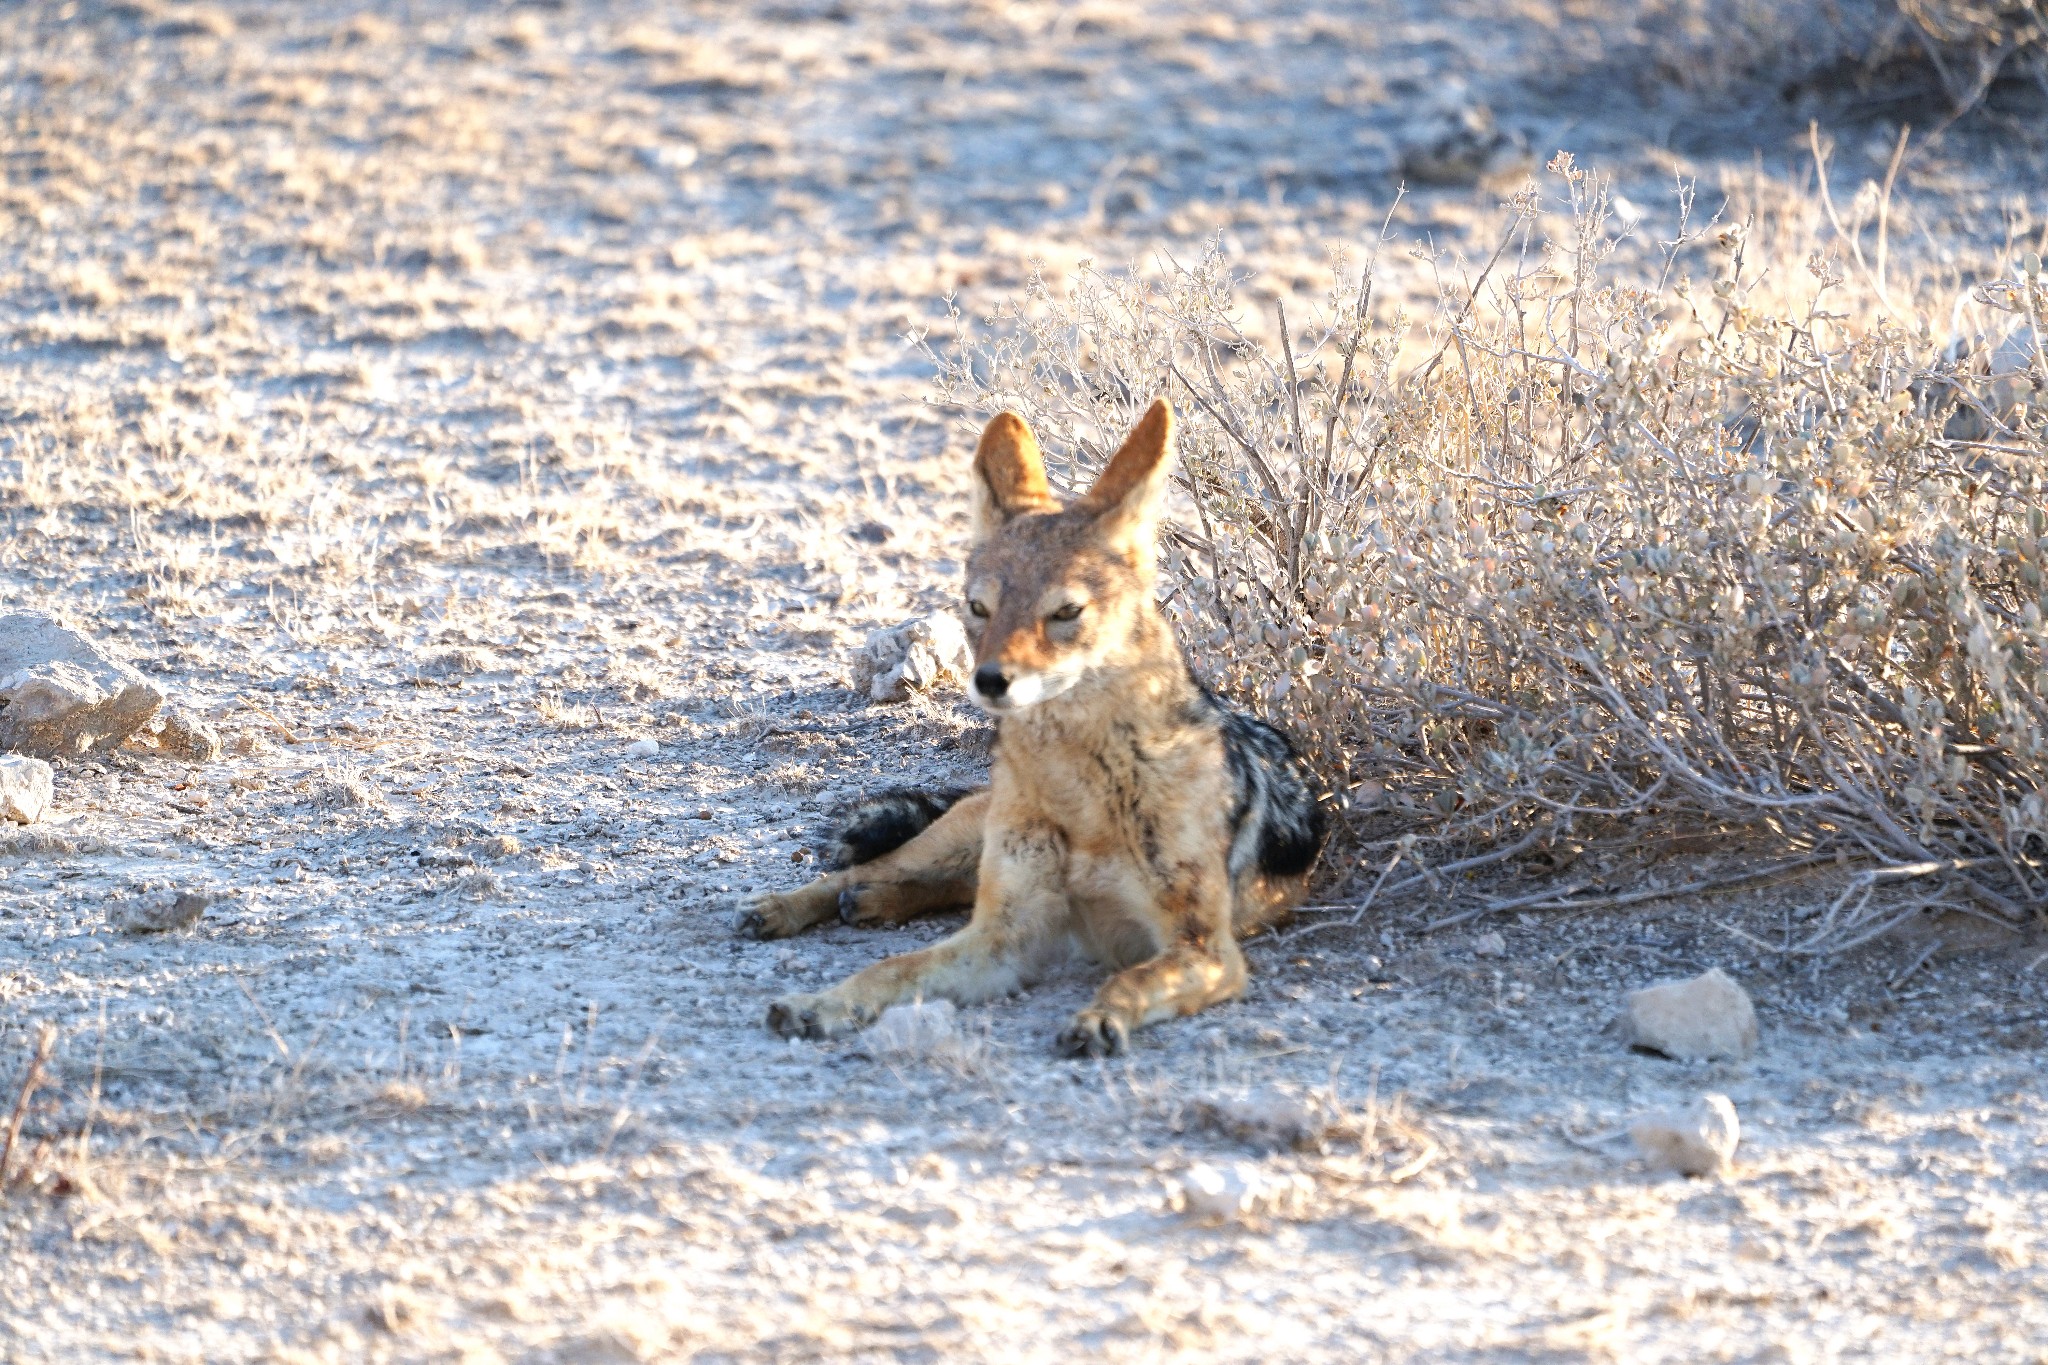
[[1129, 496], [1009, 475]]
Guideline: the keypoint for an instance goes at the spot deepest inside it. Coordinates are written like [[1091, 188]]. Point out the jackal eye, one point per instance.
[[977, 607], [1066, 613]]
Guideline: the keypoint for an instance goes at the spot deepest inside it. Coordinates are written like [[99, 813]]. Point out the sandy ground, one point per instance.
[[442, 399]]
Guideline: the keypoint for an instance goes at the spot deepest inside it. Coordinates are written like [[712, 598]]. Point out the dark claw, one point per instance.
[[849, 906], [1078, 1042], [1116, 1041], [749, 924], [1103, 1037], [791, 1023]]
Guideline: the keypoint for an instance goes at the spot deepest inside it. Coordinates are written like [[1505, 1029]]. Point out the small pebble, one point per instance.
[[1698, 1141], [162, 911], [1241, 1190], [642, 748], [922, 1028]]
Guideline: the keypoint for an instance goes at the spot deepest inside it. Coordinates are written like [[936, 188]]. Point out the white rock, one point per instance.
[[60, 695], [1240, 1190], [923, 1028], [917, 656], [1700, 1140], [642, 748], [1708, 1018], [25, 788], [1491, 944]]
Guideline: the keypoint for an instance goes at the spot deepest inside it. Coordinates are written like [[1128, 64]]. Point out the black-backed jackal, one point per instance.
[[1127, 808]]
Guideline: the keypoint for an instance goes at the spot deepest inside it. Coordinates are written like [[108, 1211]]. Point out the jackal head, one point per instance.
[[1059, 593]]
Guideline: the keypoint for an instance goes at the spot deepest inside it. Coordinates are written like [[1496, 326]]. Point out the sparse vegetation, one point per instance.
[[444, 401]]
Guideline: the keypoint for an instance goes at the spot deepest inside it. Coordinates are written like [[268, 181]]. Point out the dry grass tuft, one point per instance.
[[1570, 557], [482, 885], [346, 787], [566, 715], [43, 843], [1376, 1141], [400, 1097]]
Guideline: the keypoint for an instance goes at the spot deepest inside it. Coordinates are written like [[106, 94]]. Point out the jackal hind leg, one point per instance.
[[934, 872], [1266, 903]]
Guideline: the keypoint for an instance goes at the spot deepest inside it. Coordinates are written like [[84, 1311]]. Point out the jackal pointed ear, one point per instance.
[[1130, 496], [1009, 475]]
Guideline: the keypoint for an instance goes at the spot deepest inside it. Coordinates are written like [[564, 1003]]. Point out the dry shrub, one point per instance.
[[1954, 50], [346, 786], [1972, 43], [1597, 558]]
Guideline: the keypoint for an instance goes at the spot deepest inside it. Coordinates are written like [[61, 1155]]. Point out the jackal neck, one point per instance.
[[1149, 695]]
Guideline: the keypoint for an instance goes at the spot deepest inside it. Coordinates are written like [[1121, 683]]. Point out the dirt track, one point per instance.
[[443, 401]]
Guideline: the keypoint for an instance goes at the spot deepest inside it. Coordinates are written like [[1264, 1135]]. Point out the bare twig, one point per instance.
[[1358, 915], [46, 1042], [1884, 210], [1852, 239], [1920, 959], [1550, 895], [1561, 900]]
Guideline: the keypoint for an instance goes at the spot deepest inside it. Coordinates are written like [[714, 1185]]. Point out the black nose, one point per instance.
[[990, 681]]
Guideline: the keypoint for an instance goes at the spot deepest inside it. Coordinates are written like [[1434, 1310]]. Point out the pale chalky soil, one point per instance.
[[442, 399]]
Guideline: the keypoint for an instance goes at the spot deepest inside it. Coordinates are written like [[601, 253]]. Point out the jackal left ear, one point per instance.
[[1009, 475], [1130, 496]]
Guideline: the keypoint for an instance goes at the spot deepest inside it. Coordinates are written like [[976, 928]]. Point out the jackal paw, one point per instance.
[[1094, 1033], [767, 916], [813, 1016]]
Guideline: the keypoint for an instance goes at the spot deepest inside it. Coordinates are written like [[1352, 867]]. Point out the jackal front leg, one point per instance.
[[1201, 965], [933, 872], [1019, 925]]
